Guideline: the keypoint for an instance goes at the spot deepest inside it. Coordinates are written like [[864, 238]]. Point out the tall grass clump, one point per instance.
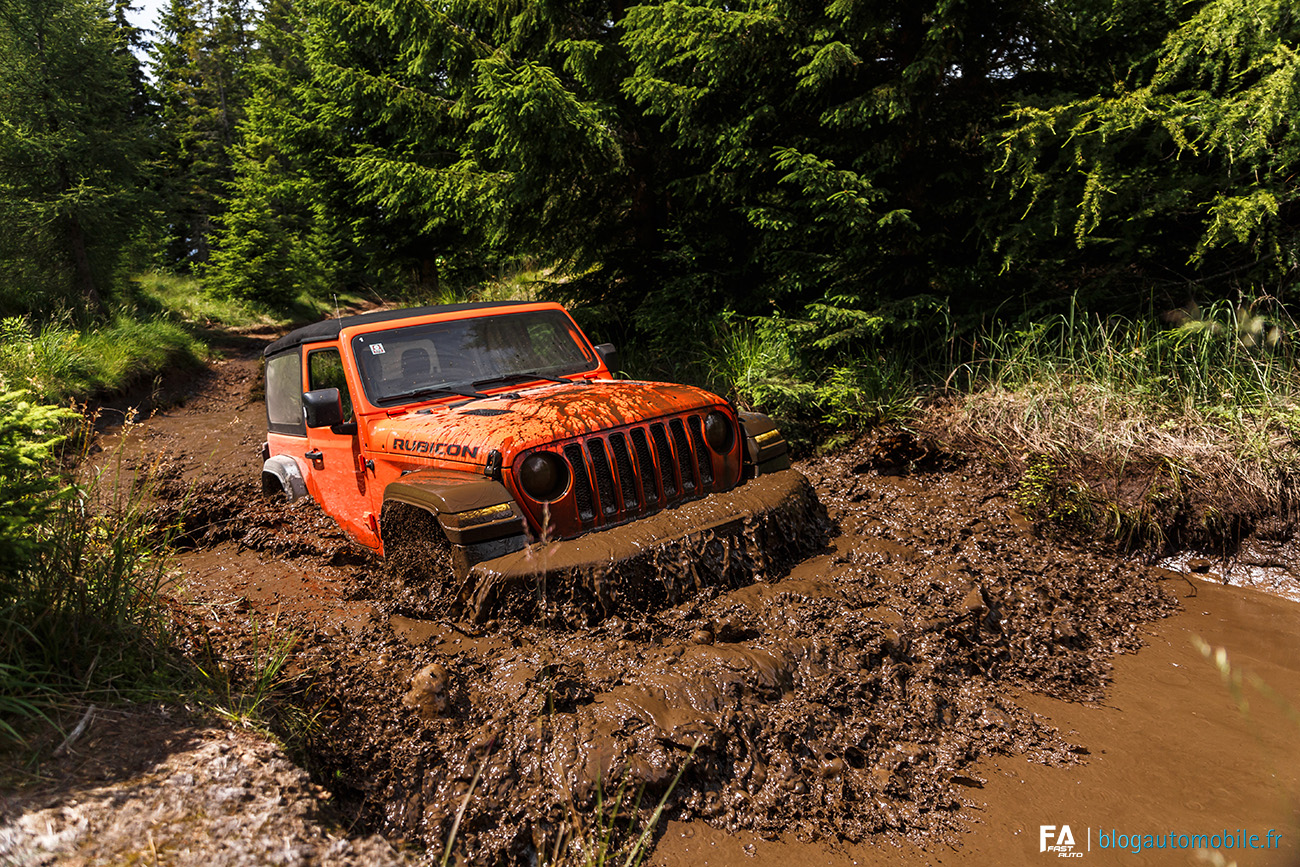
[[79, 579], [59, 362], [1084, 380], [249, 684], [1199, 406]]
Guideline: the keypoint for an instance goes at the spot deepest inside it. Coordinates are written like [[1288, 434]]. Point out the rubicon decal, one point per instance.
[[424, 447]]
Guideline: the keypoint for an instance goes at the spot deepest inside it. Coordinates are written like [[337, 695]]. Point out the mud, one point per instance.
[[152, 787], [853, 696], [847, 699], [755, 533]]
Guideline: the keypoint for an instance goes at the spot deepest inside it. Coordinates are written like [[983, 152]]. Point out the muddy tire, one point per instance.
[[418, 562]]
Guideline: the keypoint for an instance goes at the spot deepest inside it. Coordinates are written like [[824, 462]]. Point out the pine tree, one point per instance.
[[70, 152], [277, 238], [132, 42], [199, 63], [1181, 167]]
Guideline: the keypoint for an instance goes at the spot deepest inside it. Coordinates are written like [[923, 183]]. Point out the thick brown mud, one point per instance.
[[856, 697], [846, 699], [1172, 748]]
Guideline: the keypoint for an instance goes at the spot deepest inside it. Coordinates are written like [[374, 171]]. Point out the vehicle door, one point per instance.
[[336, 471]]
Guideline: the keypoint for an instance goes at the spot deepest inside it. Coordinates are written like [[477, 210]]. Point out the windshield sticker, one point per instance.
[[376, 349]]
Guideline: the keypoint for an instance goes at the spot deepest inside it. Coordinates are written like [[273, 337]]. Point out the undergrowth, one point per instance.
[[81, 620], [59, 362]]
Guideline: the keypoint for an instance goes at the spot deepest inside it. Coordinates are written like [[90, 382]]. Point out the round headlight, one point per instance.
[[544, 476], [719, 433]]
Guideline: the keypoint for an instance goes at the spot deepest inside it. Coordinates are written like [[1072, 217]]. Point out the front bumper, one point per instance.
[[755, 532]]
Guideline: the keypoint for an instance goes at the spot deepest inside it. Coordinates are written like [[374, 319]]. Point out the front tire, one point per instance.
[[417, 562]]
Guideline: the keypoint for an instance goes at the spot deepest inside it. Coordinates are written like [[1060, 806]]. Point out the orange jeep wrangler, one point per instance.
[[488, 451]]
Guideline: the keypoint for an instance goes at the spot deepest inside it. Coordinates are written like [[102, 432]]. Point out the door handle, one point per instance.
[[315, 455]]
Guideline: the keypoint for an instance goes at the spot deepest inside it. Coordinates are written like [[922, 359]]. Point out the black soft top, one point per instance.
[[330, 328]]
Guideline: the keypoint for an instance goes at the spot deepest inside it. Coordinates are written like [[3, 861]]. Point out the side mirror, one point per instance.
[[322, 407], [609, 355]]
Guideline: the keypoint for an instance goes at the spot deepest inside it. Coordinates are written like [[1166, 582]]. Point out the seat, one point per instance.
[[415, 366]]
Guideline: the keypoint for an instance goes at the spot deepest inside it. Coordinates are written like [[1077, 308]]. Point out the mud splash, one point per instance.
[[756, 532]]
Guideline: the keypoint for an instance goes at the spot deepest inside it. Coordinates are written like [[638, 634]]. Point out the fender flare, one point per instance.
[[766, 450], [471, 509], [281, 474]]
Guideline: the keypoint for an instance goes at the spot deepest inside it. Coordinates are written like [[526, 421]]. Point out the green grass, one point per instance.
[[1225, 363], [243, 686], [1222, 387], [182, 299], [823, 394], [56, 362], [1201, 405], [81, 620]]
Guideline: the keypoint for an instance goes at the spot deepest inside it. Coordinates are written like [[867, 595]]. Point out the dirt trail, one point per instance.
[[882, 702]]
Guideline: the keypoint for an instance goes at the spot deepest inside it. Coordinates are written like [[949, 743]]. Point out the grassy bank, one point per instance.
[[79, 576], [55, 362], [81, 564], [1156, 430], [1166, 429]]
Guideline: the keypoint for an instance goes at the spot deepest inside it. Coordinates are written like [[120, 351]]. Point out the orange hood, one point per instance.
[[516, 420]]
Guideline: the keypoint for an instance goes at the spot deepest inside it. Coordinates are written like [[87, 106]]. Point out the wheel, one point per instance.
[[417, 561]]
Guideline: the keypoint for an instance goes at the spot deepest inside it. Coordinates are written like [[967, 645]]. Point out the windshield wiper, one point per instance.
[[512, 378], [436, 391]]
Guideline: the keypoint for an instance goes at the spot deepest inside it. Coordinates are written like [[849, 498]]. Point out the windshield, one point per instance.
[[419, 362]]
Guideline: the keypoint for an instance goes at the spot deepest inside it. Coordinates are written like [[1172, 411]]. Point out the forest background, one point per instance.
[[817, 207]]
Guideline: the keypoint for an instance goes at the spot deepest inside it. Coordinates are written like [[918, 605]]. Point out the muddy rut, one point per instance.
[[848, 697]]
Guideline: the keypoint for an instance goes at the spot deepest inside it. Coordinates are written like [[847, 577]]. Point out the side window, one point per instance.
[[284, 394], [325, 370]]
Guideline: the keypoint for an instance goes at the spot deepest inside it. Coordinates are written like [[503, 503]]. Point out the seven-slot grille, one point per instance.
[[639, 469]]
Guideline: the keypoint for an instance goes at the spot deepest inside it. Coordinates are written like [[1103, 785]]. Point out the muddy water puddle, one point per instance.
[[1266, 566], [1170, 749]]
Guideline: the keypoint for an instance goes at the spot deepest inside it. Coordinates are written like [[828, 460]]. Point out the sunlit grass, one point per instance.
[[1204, 404], [182, 298], [244, 685], [56, 362]]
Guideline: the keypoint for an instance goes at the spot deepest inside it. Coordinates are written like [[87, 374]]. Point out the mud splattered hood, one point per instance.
[[524, 418]]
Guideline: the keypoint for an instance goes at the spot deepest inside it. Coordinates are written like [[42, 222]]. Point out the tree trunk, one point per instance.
[[85, 277]]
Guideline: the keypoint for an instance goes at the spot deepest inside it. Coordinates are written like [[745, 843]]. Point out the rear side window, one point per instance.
[[284, 394]]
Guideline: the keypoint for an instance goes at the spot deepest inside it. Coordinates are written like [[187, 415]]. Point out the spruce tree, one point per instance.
[[277, 238], [199, 65], [70, 153], [1180, 170]]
